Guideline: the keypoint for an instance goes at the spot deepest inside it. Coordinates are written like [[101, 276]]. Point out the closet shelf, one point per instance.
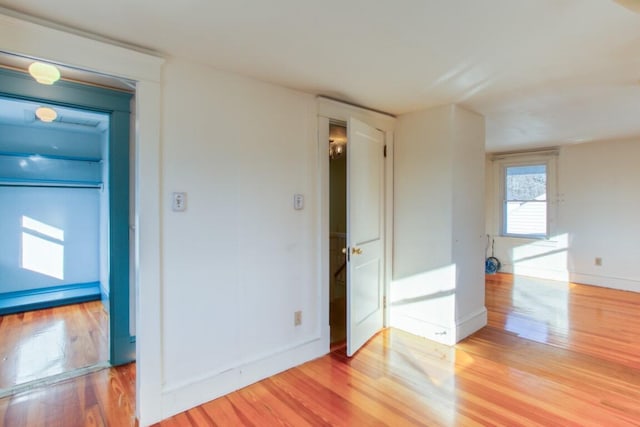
[[9, 182]]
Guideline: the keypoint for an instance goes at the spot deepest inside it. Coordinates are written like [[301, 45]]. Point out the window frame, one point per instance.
[[504, 161]]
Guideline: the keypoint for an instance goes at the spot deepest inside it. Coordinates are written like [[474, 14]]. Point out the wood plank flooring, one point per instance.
[[594, 321], [41, 343], [552, 355], [104, 398]]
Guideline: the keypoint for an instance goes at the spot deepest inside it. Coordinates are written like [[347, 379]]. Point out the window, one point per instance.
[[525, 201], [525, 190]]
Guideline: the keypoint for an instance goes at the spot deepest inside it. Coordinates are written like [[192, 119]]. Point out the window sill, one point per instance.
[[525, 236]]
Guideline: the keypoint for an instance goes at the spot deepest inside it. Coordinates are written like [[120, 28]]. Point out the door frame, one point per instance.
[[35, 38], [117, 105], [329, 109]]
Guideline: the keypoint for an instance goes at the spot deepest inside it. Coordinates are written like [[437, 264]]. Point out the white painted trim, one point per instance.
[[64, 48], [198, 391], [70, 30], [619, 283], [148, 242], [606, 282], [506, 268], [470, 324], [323, 221], [500, 163], [241, 365], [329, 109], [388, 229], [25, 38], [443, 334], [526, 154], [340, 111], [541, 273]]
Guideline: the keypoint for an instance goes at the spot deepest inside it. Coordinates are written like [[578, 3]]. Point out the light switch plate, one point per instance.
[[298, 202], [179, 201]]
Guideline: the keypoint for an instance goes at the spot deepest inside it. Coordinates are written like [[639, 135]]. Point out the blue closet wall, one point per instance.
[[117, 106], [49, 215]]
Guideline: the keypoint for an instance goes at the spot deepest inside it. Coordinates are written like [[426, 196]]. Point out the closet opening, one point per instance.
[[338, 233], [66, 299], [54, 216]]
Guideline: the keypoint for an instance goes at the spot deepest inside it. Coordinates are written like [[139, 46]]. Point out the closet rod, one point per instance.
[[89, 186]]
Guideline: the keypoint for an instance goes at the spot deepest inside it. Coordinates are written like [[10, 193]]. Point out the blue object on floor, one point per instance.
[[491, 265]]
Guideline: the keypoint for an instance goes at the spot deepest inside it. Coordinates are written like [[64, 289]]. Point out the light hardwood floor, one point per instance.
[[41, 343], [552, 354]]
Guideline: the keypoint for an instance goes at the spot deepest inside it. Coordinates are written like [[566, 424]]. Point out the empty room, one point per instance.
[[338, 213]]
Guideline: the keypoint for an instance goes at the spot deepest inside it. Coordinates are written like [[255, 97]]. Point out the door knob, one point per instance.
[[344, 251], [356, 251]]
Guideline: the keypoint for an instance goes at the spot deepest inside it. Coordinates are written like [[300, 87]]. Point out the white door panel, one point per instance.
[[365, 194], [364, 290]]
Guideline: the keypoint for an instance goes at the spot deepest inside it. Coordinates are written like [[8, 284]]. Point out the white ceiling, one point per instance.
[[542, 72]]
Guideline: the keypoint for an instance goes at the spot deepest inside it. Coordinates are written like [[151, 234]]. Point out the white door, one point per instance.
[[365, 184]]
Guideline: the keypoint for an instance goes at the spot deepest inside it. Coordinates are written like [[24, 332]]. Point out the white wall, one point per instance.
[[438, 286], [468, 220], [199, 302], [597, 216], [240, 260], [74, 212]]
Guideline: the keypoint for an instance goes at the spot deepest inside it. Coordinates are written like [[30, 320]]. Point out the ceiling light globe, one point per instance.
[[46, 114], [45, 74]]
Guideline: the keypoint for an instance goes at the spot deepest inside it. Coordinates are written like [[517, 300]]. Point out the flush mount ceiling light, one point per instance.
[[46, 114], [45, 74]]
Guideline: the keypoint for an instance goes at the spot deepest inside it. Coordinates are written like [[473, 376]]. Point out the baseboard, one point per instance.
[[104, 297], [606, 282], [505, 268], [431, 331], [540, 273], [586, 279], [54, 296], [177, 398], [470, 324]]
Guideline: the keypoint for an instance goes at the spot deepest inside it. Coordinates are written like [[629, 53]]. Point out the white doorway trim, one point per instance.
[[329, 109], [26, 36]]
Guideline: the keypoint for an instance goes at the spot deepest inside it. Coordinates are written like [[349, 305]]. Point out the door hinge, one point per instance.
[[384, 301], [384, 151]]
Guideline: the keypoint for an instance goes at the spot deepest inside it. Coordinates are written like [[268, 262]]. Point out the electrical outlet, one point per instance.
[[598, 261], [297, 318]]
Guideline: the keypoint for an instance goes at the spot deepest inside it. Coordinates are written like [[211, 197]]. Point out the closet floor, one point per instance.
[[42, 343]]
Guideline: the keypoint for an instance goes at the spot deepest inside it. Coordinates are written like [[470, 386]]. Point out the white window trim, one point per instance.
[[549, 158]]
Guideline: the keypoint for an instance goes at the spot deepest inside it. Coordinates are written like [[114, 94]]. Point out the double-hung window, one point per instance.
[[525, 195], [525, 202]]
